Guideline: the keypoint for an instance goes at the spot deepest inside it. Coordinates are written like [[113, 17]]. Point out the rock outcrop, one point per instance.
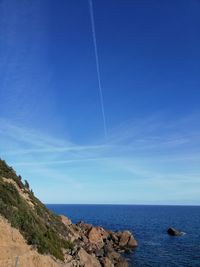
[[94, 247], [173, 232], [105, 246], [66, 221]]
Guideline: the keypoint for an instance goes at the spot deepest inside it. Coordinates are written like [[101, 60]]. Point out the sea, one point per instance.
[[149, 225]]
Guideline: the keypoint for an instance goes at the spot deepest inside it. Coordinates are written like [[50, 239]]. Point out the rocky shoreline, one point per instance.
[[32, 235], [96, 246]]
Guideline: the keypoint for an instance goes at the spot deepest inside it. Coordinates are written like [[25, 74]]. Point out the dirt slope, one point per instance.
[[13, 246]]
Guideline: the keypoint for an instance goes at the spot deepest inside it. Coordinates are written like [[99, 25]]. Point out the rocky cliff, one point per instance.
[[32, 235]]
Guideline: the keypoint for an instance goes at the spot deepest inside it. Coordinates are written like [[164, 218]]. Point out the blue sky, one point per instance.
[[51, 127]]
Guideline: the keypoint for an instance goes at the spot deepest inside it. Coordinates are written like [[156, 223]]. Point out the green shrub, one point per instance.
[[39, 226]]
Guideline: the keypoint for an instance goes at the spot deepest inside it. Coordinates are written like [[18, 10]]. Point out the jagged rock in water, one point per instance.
[[127, 240], [173, 232]]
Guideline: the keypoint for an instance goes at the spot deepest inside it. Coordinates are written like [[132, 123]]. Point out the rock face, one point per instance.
[[106, 262], [96, 236], [65, 220], [88, 260], [173, 232]]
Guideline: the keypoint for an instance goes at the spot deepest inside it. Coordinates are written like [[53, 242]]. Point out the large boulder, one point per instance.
[[96, 236], [88, 260], [84, 227], [173, 232], [127, 240], [132, 243], [111, 253]]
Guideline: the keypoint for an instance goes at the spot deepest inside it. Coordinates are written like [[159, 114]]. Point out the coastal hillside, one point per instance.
[[32, 235], [16, 252]]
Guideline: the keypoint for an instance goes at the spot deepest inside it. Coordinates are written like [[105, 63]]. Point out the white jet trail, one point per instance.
[[97, 66]]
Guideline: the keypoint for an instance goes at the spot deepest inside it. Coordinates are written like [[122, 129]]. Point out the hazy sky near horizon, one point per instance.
[[51, 127]]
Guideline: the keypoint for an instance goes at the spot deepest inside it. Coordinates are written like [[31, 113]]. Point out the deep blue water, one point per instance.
[[149, 225]]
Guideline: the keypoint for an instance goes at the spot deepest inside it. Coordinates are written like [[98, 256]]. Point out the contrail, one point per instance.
[[97, 66]]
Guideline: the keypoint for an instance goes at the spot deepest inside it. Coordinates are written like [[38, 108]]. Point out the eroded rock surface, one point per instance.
[[65, 220], [88, 260]]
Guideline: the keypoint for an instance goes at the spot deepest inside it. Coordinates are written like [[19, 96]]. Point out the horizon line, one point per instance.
[[108, 204]]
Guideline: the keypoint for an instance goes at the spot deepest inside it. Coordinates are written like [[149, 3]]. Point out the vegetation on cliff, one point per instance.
[[39, 226]]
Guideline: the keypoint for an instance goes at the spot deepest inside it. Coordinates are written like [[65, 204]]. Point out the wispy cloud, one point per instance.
[[137, 139], [147, 152]]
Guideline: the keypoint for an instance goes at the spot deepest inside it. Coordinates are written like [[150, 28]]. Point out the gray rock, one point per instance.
[[115, 238], [99, 252]]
